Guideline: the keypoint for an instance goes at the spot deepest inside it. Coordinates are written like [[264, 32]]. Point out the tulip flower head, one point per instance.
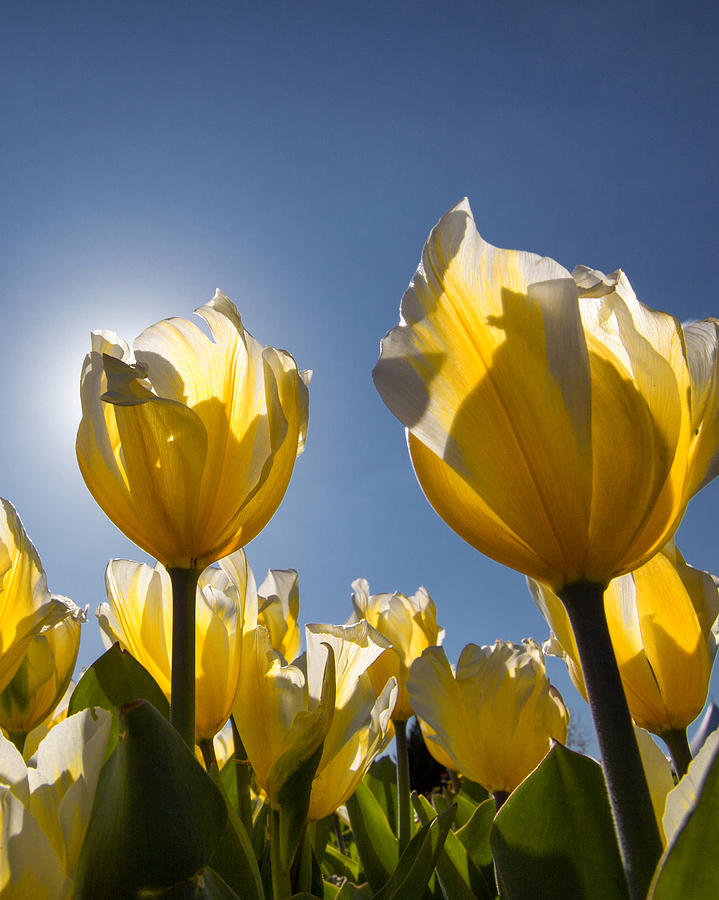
[[44, 674], [496, 716], [278, 599], [663, 624], [409, 623], [26, 605], [554, 422], [138, 614], [45, 806], [285, 712], [189, 443]]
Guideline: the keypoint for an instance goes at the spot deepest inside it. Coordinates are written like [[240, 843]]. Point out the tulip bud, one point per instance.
[[409, 623], [495, 718]]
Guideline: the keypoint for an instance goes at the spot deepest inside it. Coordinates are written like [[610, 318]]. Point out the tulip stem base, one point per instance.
[[18, 738], [182, 688], [678, 746], [636, 825], [207, 748], [403, 798]]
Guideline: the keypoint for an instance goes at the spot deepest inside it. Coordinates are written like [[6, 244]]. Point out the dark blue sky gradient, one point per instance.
[[296, 155]]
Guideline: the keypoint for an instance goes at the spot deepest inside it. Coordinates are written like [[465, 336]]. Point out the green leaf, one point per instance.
[[475, 834], [337, 863], [418, 861], [157, 816], [111, 681], [382, 781], [206, 885], [234, 856], [350, 891], [458, 876], [554, 836], [376, 842], [259, 831], [688, 867]]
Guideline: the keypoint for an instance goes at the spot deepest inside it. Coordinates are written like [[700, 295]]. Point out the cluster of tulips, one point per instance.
[[557, 425]]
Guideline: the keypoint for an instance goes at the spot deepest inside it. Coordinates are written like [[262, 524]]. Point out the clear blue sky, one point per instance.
[[296, 155]]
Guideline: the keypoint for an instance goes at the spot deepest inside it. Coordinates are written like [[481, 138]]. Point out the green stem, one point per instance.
[[18, 738], [207, 748], [403, 799], [678, 746], [629, 797], [182, 688], [281, 881], [242, 778]]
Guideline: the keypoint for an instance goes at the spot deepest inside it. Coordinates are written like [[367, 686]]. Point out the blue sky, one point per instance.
[[296, 155]]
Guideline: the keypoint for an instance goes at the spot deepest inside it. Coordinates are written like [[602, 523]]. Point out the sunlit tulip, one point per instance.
[[189, 443], [278, 598], [43, 676], [409, 623], [26, 605], [663, 624], [45, 807], [555, 422], [279, 709], [138, 614], [496, 716]]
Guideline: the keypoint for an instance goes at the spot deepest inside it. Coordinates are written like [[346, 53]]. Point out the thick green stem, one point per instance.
[[242, 779], [207, 748], [182, 689], [678, 746], [631, 804], [281, 880], [403, 799]]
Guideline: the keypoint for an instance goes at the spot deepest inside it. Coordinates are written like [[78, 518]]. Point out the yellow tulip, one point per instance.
[[281, 712], [409, 623], [495, 718], [279, 607], [188, 445], [26, 605], [555, 422], [43, 675], [45, 807], [138, 614], [434, 748], [40, 732], [663, 624]]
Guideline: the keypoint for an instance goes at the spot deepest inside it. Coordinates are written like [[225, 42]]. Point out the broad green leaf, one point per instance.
[[688, 867], [234, 856], [458, 876], [382, 780], [376, 842], [418, 861], [475, 834], [157, 815], [554, 836], [111, 681]]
